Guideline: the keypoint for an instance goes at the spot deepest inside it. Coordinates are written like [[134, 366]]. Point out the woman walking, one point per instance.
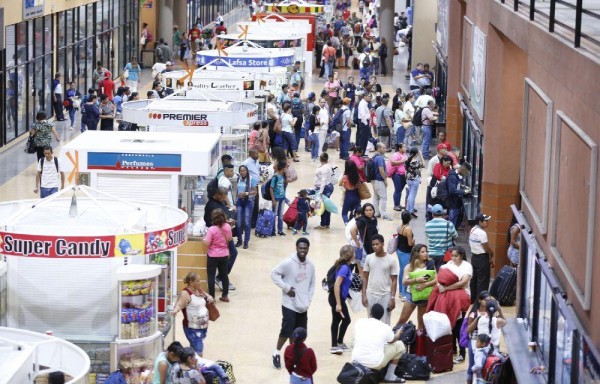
[[107, 114], [74, 98], [246, 193], [314, 127], [41, 130], [300, 361], [323, 183], [337, 300], [134, 73], [398, 173], [349, 184], [362, 234], [192, 303], [414, 165], [406, 241], [216, 239]]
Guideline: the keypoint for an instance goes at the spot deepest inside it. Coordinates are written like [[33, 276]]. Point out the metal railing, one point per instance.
[[547, 12]]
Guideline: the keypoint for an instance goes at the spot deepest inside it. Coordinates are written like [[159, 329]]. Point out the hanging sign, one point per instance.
[[245, 61], [477, 82], [295, 8], [134, 162], [24, 245], [32, 8]]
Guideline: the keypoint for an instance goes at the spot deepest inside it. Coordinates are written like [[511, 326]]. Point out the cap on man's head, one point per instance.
[[168, 63], [437, 209], [441, 147], [481, 217]]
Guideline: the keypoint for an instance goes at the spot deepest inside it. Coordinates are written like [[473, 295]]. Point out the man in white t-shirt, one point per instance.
[[380, 274], [225, 182], [47, 179], [482, 256], [376, 345]]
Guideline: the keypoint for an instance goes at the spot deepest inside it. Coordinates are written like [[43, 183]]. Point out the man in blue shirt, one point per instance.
[[380, 183], [254, 169], [440, 233]]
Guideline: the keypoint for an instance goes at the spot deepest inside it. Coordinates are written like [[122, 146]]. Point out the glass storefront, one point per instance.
[[472, 151], [73, 39], [207, 10]]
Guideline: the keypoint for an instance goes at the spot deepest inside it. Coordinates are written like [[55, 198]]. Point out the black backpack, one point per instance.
[[265, 189], [338, 121], [329, 280], [413, 367], [370, 169], [442, 190], [409, 332], [366, 62], [42, 164], [417, 119], [297, 110]]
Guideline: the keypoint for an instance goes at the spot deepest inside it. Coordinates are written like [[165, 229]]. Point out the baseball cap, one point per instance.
[[482, 217], [441, 146], [168, 63], [436, 209]]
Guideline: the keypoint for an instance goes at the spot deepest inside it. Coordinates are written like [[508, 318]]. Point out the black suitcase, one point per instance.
[[504, 287]]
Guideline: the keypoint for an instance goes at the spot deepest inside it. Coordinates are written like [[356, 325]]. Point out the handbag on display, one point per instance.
[[363, 191]]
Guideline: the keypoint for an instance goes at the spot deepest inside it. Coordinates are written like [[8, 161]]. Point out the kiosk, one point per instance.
[[93, 243]]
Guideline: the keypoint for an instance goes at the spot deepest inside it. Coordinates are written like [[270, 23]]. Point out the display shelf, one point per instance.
[[135, 357]]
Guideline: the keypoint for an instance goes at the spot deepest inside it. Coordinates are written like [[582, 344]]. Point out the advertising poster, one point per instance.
[[129, 245], [134, 161], [33, 8], [477, 83]]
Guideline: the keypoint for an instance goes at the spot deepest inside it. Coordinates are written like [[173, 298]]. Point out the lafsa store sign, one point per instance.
[[15, 244], [142, 162], [246, 62]]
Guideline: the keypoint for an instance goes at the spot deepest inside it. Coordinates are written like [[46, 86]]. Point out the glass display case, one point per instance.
[[235, 145], [135, 357], [3, 294], [164, 260]]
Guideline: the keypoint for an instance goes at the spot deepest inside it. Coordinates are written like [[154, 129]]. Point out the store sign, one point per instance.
[[134, 162], [32, 8], [217, 85], [15, 244], [185, 119], [246, 62], [477, 82], [294, 8]]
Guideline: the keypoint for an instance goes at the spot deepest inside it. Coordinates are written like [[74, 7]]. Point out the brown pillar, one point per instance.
[[386, 29], [454, 119]]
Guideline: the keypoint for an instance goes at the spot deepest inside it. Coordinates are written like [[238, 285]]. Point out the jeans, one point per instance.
[[345, 143], [427, 131], [455, 216], [58, 107], [400, 134], [328, 69], [415, 133], [212, 265], [339, 325], [399, 184], [72, 116], [365, 73], [413, 188], [244, 218], [314, 147], [196, 338], [362, 136], [471, 361], [481, 274], [301, 220], [403, 260], [297, 134], [375, 61], [379, 197], [214, 371], [289, 141], [383, 66], [351, 203], [438, 260], [326, 216], [45, 192], [297, 380], [278, 209]]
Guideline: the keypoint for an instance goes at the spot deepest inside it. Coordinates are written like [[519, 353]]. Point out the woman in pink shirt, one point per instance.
[[332, 87], [216, 239], [357, 158], [398, 173]]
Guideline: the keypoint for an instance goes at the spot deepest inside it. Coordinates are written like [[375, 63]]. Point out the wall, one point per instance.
[[13, 9], [424, 31]]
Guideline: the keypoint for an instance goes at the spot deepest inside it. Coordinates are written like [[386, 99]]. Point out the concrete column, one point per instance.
[[165, 21], [180, 15], [386, 29]]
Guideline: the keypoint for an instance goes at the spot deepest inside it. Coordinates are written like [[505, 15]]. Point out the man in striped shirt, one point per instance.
[[440, 233]]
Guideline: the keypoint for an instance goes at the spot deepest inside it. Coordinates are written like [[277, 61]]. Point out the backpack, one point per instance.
[[149, 37], [212, 186], [417, 119], [329, 280], [366, 61], [297, 109], [265, 189], [413, 367], [440, 190], [42, 164], [338, 122], [370, 170], [116, 378], [492, 368]]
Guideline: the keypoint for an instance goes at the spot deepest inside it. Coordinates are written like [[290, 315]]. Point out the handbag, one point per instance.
[[354, 373], [143, 40], [290, 174], [76, 103], [448, 253], [392, 244], [383, 131], [363, 191], [213, 311], [30, 145]]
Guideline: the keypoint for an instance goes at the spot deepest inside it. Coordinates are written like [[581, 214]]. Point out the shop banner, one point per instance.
[[32, 8], [16, 244], [212, 85], [294, 8], [477, 83], [142, 162], [245, 62]]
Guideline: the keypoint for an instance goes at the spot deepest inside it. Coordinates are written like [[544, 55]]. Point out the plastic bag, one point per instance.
[[199, 228], [329, 205], [355, 301], [437, 325]]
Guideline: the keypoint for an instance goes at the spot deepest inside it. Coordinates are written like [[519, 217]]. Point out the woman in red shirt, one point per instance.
[[357, 158], [441, 169], [300, 361]]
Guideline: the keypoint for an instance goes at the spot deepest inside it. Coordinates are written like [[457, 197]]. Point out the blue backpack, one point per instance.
[[338, 122]]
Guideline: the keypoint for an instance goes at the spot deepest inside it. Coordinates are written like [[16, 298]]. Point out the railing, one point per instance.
[[583, 17]]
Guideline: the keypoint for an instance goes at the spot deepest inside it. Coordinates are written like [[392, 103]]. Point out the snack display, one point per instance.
[[138, 311], [136, 369]]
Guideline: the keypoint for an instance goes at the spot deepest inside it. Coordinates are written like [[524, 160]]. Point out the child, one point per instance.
[[303, 211], [483, 350], [300, 361], [278, 186], [212, 369]]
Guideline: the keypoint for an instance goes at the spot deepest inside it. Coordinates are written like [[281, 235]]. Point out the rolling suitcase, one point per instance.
[[504, 287], [265, 224], [291, 214], [439, 353]]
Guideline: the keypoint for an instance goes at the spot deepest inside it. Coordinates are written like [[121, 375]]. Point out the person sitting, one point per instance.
[[186, 371], [164, 362], [376, 345]]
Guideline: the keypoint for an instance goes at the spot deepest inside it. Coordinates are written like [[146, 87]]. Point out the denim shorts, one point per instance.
[[360, 255], [196, 338], [417, 303]]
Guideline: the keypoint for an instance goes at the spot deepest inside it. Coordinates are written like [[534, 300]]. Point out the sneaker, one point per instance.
[[231, 286], [305, 233], [294, 232], [414, 215], [276, 362], [343, 347], [336, 351], [245, 246], [238, 244], [219, 284], [458, 359], [281, 234], [397, 208]]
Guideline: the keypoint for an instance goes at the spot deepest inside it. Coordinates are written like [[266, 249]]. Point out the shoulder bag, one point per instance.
[[30, 145], [213, 311], [363, 191]]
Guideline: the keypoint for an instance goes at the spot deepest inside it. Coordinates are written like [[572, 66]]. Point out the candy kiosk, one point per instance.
[[78, 267], [3, 292]]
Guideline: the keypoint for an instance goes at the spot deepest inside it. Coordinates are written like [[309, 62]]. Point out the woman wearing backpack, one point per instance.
[[337, 299]]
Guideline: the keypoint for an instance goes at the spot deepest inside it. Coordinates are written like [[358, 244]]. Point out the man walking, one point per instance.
[[482, 256], [440, 233], [384, 122], [380, 279], [428, 117], [380, 183], [364, 117], [295, 276], [346, 131], [456, 191], [47, 178]]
